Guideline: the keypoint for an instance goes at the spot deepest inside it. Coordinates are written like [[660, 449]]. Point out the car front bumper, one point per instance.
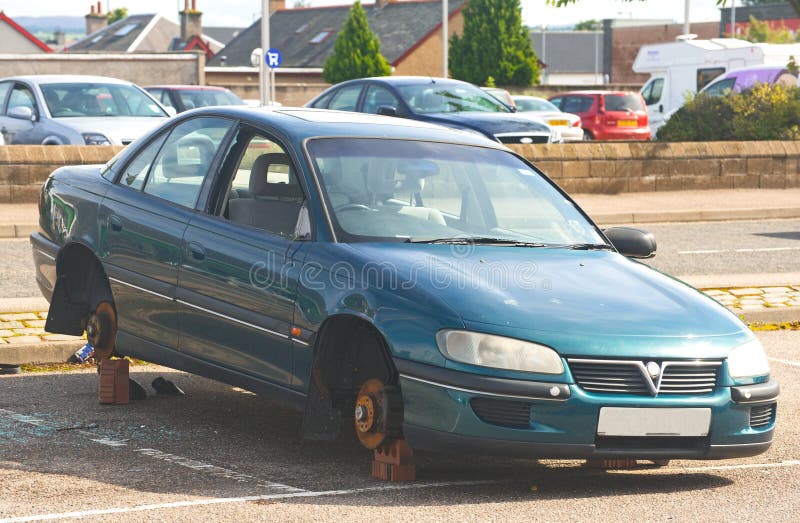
[[440, 415]]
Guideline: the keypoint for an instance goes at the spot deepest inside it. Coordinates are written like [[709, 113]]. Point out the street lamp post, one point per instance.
[[445, 34], [263, 73], [686, 26]]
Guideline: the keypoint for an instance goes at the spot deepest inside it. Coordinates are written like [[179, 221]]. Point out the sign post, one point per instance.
[[273, 59], [263, 74]]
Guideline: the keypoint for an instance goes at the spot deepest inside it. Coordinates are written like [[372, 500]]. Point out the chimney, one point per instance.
[[59, 38], [274, 5], [96, 20], [382, 3], [191, 21]]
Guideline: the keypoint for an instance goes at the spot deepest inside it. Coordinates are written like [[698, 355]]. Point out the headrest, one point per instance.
[[258, 173], [287, 191]]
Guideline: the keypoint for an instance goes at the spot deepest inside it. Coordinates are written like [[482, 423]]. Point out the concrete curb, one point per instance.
[[713, 215], [33, 304], [769, 315], [44, 352]]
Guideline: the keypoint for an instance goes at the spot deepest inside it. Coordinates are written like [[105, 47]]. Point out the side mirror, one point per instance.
[[21, 113], [630, 242], [387, 110]]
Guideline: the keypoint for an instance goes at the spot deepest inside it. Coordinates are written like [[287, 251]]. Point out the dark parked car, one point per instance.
[[452, 103], [184, 97], [419, 281], [607, 115]]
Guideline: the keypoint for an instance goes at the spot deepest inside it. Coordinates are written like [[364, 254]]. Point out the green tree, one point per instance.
[[115, 15], [589, 25], [794, 3], [494, 43], [357, 51]]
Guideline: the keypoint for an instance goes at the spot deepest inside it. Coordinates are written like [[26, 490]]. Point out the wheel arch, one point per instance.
[[349, 350], [81, 284]]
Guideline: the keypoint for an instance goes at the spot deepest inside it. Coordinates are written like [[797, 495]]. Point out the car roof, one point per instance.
[[593, 92], [409, 80], [67, 79], [733, 72], [302, 123], [187, 87]]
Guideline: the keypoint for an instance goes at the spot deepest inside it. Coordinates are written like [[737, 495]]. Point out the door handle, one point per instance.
[[197, 251], [115, 222]]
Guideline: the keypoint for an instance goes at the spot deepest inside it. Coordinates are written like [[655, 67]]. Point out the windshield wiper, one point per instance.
[[587, 247], [478, 241]]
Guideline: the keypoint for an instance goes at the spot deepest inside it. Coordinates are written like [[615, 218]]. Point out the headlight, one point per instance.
[[498, 352], [748, 360], [95, 139]]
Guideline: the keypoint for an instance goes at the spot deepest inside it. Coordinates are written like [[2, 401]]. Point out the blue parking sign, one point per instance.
[[273, 58]]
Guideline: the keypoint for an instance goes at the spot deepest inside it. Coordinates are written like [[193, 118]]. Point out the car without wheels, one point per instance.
[[427, 284]]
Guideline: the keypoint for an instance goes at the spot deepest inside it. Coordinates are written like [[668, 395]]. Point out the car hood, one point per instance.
[[492, 123], [118, 129], [587, 294]]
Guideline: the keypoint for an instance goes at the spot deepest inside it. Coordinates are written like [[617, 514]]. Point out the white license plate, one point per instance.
[[638, 422]]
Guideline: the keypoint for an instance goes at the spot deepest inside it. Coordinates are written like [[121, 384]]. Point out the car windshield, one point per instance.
[[533, 104], [403, 190], [432, 97], [91, 99], [623, 102], [205, 98]]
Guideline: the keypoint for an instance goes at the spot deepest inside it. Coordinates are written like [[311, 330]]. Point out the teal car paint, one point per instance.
[[299, 253]]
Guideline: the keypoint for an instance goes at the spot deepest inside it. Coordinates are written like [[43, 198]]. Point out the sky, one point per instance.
[[239, 13]]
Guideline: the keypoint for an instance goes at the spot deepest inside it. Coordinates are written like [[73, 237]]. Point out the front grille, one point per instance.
[[610, 378], [762, 415], [522, 138], [514, 414], [689, 379], [631, 377]]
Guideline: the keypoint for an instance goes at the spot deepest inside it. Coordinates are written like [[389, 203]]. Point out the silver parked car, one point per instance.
[[569, 124], [76, 110]]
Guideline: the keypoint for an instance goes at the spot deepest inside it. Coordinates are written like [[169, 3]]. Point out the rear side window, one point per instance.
[[322, 103], [346, 98], [623, 102], [577, 104], [136, 172], [178, 172]]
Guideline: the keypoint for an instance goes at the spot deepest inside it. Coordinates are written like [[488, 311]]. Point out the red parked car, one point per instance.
[[607, 115]]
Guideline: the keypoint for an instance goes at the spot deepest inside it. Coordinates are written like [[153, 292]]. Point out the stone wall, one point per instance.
[[23, 168], [594, 167], [611, 168]]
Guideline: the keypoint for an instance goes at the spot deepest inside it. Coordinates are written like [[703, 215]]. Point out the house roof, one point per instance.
[[150, 33], [222, 35], [306, 36], [24, 32], [118, 36]]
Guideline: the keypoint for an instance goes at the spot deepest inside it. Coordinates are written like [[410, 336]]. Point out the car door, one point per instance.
[[652, 93], [142, 221], [377, 97], [238, 276], [346, 98], [20, 130]]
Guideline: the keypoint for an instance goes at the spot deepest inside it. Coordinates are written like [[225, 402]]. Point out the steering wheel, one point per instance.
[[352, 207]]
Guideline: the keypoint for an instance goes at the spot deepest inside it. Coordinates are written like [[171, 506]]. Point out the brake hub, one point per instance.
[[378, 413], [101, 330]]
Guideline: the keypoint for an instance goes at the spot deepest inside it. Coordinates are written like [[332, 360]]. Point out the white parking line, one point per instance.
[[723, 251], [786, 362], [196, 465], [242, 499], [711, 468]]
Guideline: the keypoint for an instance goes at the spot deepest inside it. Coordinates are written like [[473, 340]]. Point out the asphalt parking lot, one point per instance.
[[221, 453]]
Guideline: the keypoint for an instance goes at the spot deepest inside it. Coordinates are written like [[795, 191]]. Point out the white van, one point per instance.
[[685, 66]]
